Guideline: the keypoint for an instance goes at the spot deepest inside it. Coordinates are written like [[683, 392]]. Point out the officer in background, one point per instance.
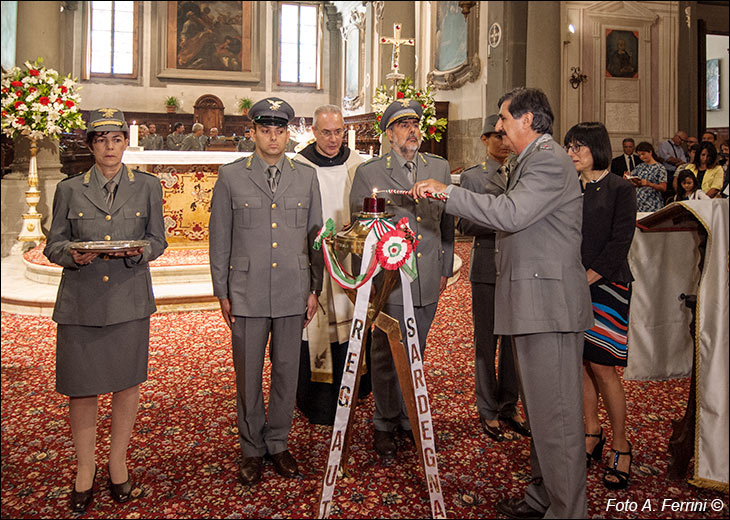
[[175, 139], [245, 144], [193, 142], [496, 396], [154, 140], [265, 215], [434, 229]]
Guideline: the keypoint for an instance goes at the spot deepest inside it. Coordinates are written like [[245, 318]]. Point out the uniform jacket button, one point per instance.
[[274, 265], [107, 237], [275, 245], [419, 255], [273, 205], [81, 213], [108, 217], [105, 278], [274, 225]]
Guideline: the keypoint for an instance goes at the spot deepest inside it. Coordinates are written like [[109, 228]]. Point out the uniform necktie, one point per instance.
[[411, 171], [504, 172], [273, 178], [109, 187]]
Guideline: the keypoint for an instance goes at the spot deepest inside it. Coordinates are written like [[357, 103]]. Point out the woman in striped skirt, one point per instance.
[[609, 220]]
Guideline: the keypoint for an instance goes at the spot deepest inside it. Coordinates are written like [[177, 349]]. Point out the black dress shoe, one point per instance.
[[517, 508], [517, 426], [285, 464], [81, 500], [250, 471], [495, 432], [384, 443]]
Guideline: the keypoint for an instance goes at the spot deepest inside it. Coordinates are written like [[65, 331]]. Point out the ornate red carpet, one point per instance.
[[185, 453]]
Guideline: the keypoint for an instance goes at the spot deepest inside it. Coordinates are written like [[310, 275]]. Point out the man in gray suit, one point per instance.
[[399, 169], [265, 214], [496, 396], [542, 298]]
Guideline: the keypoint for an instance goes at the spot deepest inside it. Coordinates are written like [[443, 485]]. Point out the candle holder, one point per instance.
[[32, 231]]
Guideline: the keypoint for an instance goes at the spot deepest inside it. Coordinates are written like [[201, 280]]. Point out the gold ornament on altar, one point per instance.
[[37, 102]]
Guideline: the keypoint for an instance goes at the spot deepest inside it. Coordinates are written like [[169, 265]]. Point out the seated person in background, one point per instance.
[[213, 138], [175, 139], [709, 174], [708, 136], [649, 178], [246, 144], [687, 187], [627, 161], [692, 152], [690, 142], [192, 142], [155, 140], [144, 134]]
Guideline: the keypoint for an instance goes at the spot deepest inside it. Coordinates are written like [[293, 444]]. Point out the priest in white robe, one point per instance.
[[325, 339]]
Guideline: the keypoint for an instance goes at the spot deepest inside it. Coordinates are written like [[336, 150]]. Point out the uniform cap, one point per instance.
[[271, 111], [399, 109], [107, 120], [490, 122]]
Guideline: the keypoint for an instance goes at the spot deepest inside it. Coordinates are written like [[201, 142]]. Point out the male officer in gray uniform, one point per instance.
[[542, 298], [399, 169], [265, 214], [496, 396], [176, 138]]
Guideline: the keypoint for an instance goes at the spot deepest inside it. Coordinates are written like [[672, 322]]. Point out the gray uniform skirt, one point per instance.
[[99, 360]]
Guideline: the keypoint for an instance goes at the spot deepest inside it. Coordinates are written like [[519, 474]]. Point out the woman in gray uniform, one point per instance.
[[105, 298]]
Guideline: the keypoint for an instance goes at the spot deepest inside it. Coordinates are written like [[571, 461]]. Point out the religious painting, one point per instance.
[[450, 36], [211, 40], [455, 45], [622, 54], [353, 34], [713, 84]]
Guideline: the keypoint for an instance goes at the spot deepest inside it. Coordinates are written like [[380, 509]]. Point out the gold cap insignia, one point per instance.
[[405, 102], [274, 104], [108, 112]]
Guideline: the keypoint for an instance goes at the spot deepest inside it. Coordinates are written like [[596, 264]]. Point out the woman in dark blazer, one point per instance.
[[609, 220], [105, 299]]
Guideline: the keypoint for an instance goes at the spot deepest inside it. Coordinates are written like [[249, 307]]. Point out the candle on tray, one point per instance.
[[373, 203], [134, 134], [351, 138]]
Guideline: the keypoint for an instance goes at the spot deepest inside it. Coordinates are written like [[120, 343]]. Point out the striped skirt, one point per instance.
[[606, 343]]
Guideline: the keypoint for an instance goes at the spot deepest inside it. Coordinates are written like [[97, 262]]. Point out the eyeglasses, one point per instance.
[[336, 133], [575, 148]]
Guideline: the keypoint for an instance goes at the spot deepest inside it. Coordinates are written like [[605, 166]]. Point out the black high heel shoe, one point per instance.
[[622, 477], [597, 452], [81, 500], [121, 493]]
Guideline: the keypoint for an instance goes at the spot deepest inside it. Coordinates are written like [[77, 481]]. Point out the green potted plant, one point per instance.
[[244, 104], [171, 103]]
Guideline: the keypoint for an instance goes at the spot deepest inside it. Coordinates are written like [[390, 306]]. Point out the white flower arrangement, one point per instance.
[[37, 102]]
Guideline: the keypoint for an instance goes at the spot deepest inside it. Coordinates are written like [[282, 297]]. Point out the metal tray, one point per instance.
[[109, 246]]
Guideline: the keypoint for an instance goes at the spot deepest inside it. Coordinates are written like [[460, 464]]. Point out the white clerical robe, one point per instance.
[[334, 326]]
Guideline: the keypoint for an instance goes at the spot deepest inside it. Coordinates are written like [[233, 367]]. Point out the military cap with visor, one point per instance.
[[107, 120], [400, 109], [490, 123], [271, 111]]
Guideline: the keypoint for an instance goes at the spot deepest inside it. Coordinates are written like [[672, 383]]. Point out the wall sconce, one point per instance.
[[569, 33], [577, 77]]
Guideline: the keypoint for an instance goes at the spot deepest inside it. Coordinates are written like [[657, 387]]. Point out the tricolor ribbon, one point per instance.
[[386, 247]]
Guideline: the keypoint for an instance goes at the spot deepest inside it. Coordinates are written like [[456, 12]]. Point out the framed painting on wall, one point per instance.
[[455, 46], [622, 54], [211, 40], [713, 84]]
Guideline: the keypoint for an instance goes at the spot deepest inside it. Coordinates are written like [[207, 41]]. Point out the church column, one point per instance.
[[334, 24], [38, 35], [544, 43]]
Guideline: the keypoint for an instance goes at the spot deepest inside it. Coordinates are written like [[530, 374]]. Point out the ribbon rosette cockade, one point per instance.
[[393, 250]]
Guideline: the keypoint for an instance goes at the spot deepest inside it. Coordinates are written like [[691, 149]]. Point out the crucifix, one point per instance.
[[396, 42]]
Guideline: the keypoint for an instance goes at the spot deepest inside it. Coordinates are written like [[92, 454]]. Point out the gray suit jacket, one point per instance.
[[261, 255], [427, 218], [482, 178], [108, 290], [541, 283]]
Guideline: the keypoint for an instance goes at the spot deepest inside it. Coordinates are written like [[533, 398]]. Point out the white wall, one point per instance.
[[717, 48], [148, 97]]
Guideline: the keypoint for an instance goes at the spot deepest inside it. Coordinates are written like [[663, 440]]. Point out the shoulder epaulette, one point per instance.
[[433, 155], [137, 170], [72, 176], [372, 159], [297, 161]]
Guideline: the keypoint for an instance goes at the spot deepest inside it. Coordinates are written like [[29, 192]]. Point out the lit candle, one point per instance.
[[133, 134], [351, 138]]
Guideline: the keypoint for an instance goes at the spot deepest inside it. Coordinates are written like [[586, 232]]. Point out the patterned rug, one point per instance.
[[184, 450]]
